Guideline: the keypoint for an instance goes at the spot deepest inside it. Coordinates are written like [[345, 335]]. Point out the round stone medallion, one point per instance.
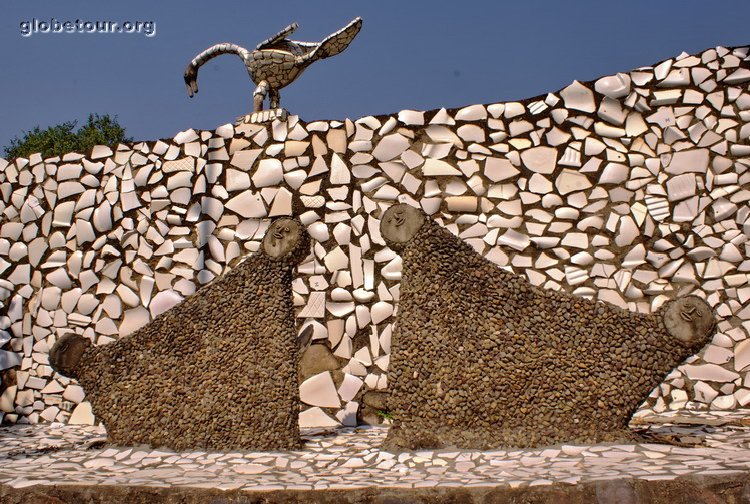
[[400, 223], [67, 352], [689, 319], [281, 238]]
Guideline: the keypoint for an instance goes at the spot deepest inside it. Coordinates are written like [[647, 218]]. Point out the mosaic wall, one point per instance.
[[631, 190]]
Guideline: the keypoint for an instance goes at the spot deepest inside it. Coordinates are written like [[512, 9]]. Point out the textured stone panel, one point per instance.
[[217, 371], [481, 358]]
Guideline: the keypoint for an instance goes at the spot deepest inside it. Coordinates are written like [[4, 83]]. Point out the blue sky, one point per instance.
[[409, 54]]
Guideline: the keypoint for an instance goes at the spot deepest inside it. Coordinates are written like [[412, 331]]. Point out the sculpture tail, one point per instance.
[[337, 42], [191, 72]]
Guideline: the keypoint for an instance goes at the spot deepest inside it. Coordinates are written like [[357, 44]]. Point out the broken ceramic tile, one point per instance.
[[319, 390], [614, 86], [578, 97], [540, 159]]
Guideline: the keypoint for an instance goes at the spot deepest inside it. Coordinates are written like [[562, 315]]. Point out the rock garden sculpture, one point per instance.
[[482, 359], [275, 62], [217, 371]]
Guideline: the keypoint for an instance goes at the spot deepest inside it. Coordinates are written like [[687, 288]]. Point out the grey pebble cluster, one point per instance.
[[218, 371], [481, 358]]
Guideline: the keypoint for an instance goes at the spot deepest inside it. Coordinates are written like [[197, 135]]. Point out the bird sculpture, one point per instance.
[[275, 62]]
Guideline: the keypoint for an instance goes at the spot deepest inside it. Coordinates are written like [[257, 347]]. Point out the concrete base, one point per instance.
[[728, 489], [56, 463]]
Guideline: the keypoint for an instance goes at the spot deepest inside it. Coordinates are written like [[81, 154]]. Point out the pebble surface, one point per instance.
[[481, 358], [218, 371]]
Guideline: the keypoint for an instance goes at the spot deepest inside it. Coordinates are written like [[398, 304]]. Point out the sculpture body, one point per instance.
[[275, 62], [218, 371], [483, 359]]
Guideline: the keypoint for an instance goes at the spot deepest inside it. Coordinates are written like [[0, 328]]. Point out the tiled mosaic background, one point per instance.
[[632, 189]]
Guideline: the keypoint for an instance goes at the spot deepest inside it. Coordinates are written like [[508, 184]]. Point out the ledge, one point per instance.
[[65, 463], [729, 489]]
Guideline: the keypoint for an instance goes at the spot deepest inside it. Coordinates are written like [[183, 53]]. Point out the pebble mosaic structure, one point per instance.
[[275, 62], [482, 359], [218, 371], [631, 189]]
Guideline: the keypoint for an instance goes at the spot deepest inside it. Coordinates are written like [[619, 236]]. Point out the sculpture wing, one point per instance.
[[338, 41], [269, 42]]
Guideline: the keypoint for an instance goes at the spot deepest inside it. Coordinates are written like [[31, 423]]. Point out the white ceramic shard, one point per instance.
[[247, 204], [578, 97], [282, 203], [497, 169], [461, 203], [442, 117], [103, 217], [571, 181], [380, 311], [540, 159], [74, 393], [514, 239], [350, 387], [411, 117], [471, 133], [614, 86], [237, 180], [319, 390], [662, 98], [315, 307], [472, 113], [611, 111], [509, 110], [339, 309], [704, 392], [681, 187], [686, 211], [82, 415], [9, 359], [100, 151], [134, 319], [391, 271], [627, 233], [315, 417], [270, 172], [742, 355], [390, 147], [339, 172], [348, 417], [336, 260], [738, 76], [717, 355], [436, 167], [59, 278], [163, 301], [695, 160], [614, 173], [635, 124], [539, 184], [726, 402], [244, 159], [709, 372], [185, 136]]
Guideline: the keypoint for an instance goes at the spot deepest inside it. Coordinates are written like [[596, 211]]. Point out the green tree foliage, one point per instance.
[[61, 139]]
